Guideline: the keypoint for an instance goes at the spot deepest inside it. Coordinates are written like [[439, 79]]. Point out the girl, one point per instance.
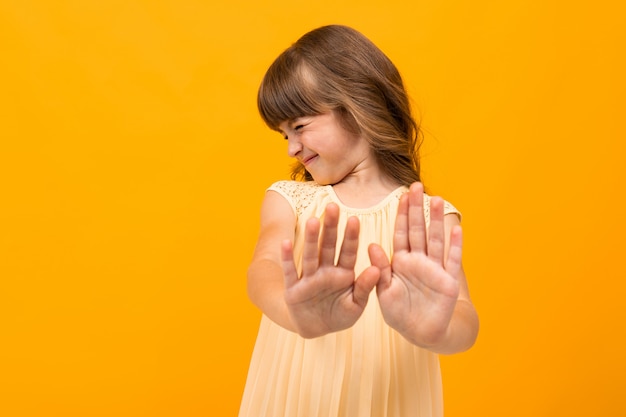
[[356, 220]]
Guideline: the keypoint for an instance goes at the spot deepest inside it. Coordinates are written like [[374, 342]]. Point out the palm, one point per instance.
[[326, 297], [421, 295], [418, 290]]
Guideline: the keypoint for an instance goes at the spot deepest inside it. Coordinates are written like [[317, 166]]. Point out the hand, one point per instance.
[[418, 291], [326, 298]]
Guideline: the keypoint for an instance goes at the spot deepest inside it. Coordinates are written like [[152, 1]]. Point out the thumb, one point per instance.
[[379, 259], [364, 284], [288, 264]]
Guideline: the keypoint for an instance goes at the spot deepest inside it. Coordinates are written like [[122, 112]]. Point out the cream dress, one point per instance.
[[368, 370]]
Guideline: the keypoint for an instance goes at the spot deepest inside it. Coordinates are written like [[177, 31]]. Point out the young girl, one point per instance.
[[357, 272]]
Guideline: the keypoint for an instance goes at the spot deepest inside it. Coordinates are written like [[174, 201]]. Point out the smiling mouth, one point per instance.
[[309, 159]]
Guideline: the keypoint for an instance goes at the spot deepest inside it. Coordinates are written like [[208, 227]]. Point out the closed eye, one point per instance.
[[295, 128]]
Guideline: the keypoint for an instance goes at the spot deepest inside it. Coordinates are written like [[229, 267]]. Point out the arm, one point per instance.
[[266, 285], [326, 297], [423, 292]]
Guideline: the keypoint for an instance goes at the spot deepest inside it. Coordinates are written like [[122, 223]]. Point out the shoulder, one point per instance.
[[298, 194], [448, 208], [295, 189]]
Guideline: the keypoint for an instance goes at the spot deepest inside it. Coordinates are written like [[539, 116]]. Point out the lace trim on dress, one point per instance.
[[300, 195]]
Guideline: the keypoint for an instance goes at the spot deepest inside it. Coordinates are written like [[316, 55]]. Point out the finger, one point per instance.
[[310, 251], [453, 262], [417, 224], [328, 244], [289, 266], [364, 285], [436, 239], [400, 233], [379, 259], [350, 244]]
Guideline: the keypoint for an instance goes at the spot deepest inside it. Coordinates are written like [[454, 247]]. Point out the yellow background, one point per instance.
[[133, 163]]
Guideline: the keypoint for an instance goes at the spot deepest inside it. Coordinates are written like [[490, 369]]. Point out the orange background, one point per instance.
[[133, 163]]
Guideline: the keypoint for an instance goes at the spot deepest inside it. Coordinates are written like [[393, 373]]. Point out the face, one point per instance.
[[329, 152]]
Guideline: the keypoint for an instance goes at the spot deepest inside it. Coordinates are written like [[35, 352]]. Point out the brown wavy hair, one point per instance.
[[336, 68]]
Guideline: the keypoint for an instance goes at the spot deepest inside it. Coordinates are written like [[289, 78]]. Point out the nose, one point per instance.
[[294, 147]]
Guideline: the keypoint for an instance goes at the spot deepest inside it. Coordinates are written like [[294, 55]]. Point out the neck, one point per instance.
[[359, 192]]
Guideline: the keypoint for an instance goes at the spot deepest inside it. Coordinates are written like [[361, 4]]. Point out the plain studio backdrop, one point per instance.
[[133, 163]]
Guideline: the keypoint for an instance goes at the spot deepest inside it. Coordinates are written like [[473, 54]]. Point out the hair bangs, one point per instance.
[[287, 92]]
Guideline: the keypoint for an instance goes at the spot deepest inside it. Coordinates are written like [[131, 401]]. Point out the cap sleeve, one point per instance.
[[298, 194], [448, 208]]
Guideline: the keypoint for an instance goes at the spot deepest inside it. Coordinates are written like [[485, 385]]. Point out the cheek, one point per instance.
[[362, 145]]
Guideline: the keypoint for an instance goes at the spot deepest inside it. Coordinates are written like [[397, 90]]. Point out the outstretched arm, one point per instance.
[[423, 291], [266, 286], [325, 297]]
